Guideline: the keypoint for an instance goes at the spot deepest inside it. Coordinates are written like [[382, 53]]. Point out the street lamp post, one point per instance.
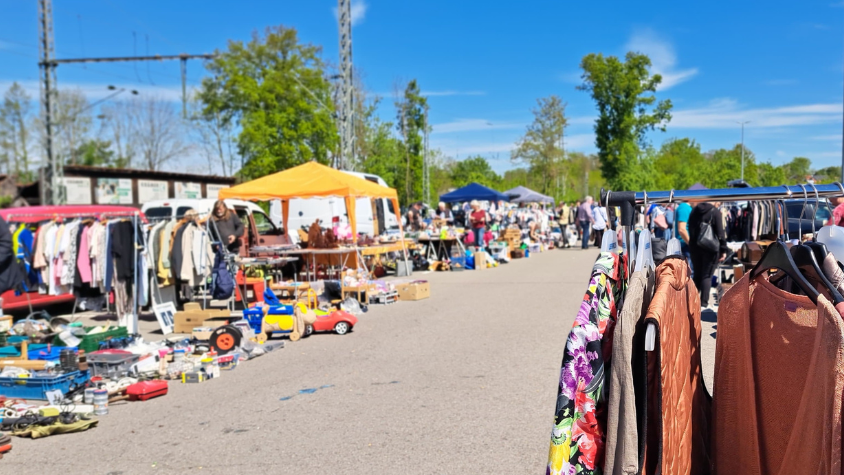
[[742, 146]]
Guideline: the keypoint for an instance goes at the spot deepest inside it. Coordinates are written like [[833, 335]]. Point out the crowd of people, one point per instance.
[[587, 221]]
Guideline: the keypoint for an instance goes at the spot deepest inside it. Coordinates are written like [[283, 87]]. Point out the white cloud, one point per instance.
[[663, 58], [579, 141], [724, 113], [471, 125], [826, 137], [358, 11]]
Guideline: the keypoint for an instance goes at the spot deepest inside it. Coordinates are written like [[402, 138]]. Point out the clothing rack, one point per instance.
[[135, 215], [627, 200]]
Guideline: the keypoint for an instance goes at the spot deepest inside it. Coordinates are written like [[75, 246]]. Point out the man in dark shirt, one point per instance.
[[585, 220]]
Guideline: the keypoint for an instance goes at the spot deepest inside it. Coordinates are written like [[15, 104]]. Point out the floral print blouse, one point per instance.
[[578, 436]]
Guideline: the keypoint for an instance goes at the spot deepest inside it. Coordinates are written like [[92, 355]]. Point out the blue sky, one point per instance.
[[776, 64]]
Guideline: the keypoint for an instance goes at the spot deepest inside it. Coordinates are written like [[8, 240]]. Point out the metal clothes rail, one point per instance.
[[617, 198], [139, 245]]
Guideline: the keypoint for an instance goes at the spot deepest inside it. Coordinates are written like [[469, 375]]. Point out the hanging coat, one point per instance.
[[11, 275], [678, 406]]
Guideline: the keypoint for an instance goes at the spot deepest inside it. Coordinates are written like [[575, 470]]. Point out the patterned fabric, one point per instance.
[[578, 436]]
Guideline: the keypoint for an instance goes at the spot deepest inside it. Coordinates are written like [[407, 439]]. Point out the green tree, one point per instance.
[[97, 153], [275, 88], [798, 169], [725, 165], [15, 141], [541, 148], [679, 164], [624, 93], [828, 175], [474, 169], [411, 124], [771, 175]]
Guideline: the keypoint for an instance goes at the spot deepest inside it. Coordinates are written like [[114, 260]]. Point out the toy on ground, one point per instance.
[[274, 317], [338, 321]]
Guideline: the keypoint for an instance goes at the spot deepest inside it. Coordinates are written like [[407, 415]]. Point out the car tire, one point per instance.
[[309, 329], [341, 328]]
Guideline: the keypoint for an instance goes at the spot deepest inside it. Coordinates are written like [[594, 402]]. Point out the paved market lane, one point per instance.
[[460, 383]]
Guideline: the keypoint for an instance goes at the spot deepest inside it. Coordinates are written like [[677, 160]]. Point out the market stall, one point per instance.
[[313, 180], [473, 191], [521, 194]]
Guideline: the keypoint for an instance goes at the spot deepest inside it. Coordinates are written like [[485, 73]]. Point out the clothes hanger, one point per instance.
[[818, 248], [777, 256], [806, 262], [609, 243], [673, 247], [645, 257]]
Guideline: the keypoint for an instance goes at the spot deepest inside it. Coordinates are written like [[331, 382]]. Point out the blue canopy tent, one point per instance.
[[521, 194], [473, 191]]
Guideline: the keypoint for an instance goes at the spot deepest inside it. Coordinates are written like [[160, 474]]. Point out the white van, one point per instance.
[[260, 230], [303, 212]]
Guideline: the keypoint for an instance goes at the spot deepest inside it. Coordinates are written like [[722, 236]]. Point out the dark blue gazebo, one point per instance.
[[473, 191]]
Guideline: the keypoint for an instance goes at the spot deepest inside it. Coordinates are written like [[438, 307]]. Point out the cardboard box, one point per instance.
[[480, 260], [414, 290], [186, 321]]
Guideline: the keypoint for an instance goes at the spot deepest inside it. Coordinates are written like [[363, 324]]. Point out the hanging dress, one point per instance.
[[577, 438]]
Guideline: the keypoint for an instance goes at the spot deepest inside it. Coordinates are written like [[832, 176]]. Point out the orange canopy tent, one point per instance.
[[311, 180]]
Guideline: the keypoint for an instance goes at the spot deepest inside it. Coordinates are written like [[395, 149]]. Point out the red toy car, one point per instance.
[[339, 322]]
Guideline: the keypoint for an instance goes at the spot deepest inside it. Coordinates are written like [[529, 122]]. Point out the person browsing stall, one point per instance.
[[445, 213], [228, 225], [478, 220], [585, 219]]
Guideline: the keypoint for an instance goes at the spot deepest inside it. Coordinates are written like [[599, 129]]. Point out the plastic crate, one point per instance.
[[91, 343], [52, 354], [7, 351], [36, 388]]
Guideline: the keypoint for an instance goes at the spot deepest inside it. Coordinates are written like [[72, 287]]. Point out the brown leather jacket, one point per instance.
[[678, 404]]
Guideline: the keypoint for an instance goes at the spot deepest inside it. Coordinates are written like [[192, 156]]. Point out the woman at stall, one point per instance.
[[478, 220], [705, 261], [228, 225]]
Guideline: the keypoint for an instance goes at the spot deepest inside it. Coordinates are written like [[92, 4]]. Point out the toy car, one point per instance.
[[339, 321]]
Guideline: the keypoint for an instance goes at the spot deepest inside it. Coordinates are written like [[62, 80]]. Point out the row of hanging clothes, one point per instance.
[[86, 257], [631, 398], [752, 221], [182, 255]]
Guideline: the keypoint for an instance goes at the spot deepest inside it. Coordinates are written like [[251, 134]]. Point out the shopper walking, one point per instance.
[[681, 231], [585, 219], [478, 220], [705, 260], [228, 226], [599, 222]]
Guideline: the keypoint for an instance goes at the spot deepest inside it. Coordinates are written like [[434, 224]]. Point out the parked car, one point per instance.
[[820, 211], [260, 230]]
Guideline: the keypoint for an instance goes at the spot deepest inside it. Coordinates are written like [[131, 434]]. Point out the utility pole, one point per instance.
[[426, 177], [742, 146], [346, 112], [52, 184], [52, 174]]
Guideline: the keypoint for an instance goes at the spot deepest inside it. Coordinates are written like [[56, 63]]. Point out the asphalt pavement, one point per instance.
[[463, 382]]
